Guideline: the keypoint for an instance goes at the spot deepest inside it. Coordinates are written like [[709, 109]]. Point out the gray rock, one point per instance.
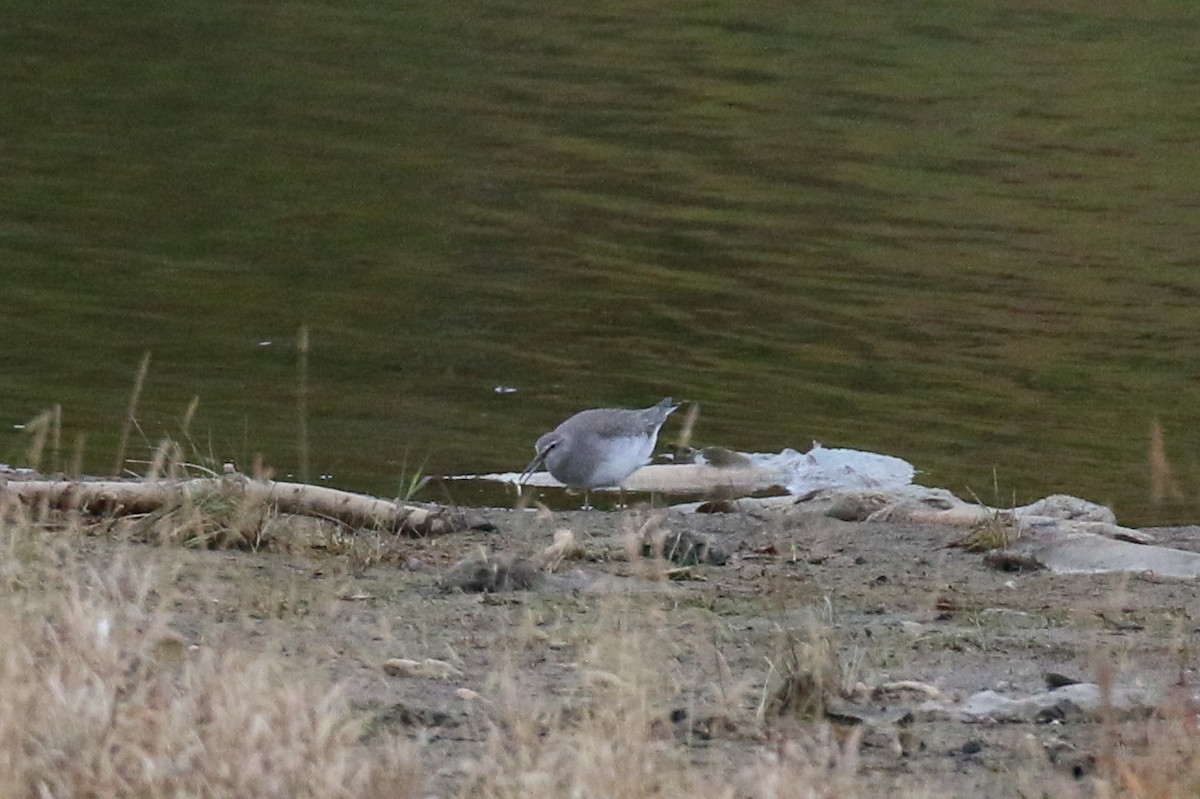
[[490, 573], [1085, 553], [1076, 701], [685, 548]]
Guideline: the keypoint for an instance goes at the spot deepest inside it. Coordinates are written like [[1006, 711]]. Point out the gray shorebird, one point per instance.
[[600, 447]]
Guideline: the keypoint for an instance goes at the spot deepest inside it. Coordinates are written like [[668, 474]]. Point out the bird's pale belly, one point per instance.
[[614, 460]]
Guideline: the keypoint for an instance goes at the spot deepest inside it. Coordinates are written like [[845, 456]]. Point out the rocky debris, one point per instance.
[[1008, 561], [1061, 533], [683, 547], [1055, 679], [680, 724], [1086, 553], [1075, 701], [401, 714], [1065, 506], [916, 503], [600, 584], [901, 687], [854, 506], [485, 572], [890, 730]]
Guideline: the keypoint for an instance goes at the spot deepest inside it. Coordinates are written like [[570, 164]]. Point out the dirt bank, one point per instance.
[[892, 602]]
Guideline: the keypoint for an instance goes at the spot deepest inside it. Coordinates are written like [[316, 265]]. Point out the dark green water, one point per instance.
[[966, 234]]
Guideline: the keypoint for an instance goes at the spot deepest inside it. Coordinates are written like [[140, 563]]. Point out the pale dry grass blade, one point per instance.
[[39, 432], [684, 439], [185, 424], [56, 438], [130, 419], [75, 470], [1163, 485], [302, 401]]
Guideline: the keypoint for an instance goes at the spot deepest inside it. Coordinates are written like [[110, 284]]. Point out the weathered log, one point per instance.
[[697, 478], [120, 497]]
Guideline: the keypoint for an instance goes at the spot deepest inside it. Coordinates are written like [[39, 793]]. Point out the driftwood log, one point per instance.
[[695, 478], [121, 497]]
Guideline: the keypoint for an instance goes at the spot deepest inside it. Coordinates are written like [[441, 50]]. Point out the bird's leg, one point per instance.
[[586, 504]]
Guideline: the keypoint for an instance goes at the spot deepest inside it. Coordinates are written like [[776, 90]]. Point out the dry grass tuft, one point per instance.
[[632, 726], [996, 532], [211, 521], [99, 697], [808, 678]]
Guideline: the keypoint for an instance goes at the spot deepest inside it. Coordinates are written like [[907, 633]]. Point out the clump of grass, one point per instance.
[[411, 482], [628, 727], [1169, 766], [130, 418], [997, 531], [210, 520], [100, 697], [807, 675], [45, 432]]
